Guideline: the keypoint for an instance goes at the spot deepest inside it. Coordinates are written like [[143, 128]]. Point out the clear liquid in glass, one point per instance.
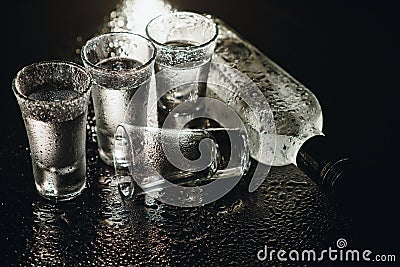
[[57, 147], [111, 105], [191, 78]]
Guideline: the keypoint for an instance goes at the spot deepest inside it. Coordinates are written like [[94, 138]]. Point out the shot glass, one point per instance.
[[180, 167], [53, 98], [185, 42], [121, 64]]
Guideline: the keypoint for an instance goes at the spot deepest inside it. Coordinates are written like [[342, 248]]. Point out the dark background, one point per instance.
[[346, 53]]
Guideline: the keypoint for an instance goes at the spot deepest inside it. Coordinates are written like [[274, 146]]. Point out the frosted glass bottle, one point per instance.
[[297, 113], [298, 121]]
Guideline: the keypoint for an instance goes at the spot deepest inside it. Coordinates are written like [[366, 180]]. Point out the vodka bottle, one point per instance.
[[297, 117]]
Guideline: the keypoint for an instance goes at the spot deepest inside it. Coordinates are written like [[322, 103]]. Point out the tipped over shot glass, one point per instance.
[[120, 64], [180, 167], [53, 98], [185, 42]]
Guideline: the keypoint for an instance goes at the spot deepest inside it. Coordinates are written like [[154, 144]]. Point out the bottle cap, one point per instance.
[[351, 183]]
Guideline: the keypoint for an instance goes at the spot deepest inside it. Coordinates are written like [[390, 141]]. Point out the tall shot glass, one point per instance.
[[120, 64], [185, 42], [53, 98]]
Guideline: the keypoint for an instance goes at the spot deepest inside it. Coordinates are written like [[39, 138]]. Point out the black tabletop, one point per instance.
[[345, 53]]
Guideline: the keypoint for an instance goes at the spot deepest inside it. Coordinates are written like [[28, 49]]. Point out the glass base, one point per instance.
[[61, 198]]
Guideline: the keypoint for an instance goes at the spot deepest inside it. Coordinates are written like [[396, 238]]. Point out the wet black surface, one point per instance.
[[338, 50], [287, 212]]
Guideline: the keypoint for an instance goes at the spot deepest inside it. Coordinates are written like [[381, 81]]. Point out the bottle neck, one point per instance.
[[300, 140], [321, 160]]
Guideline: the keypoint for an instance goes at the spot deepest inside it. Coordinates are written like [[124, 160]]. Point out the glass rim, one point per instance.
[[194, 47], [130, 34], [18, 93]]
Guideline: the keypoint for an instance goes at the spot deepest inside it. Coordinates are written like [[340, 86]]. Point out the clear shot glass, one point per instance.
[[120, 64], [53, 98], [181, 167], [185, 42]]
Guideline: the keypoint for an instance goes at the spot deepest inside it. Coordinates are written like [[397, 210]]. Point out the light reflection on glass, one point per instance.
[[133, 15]]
